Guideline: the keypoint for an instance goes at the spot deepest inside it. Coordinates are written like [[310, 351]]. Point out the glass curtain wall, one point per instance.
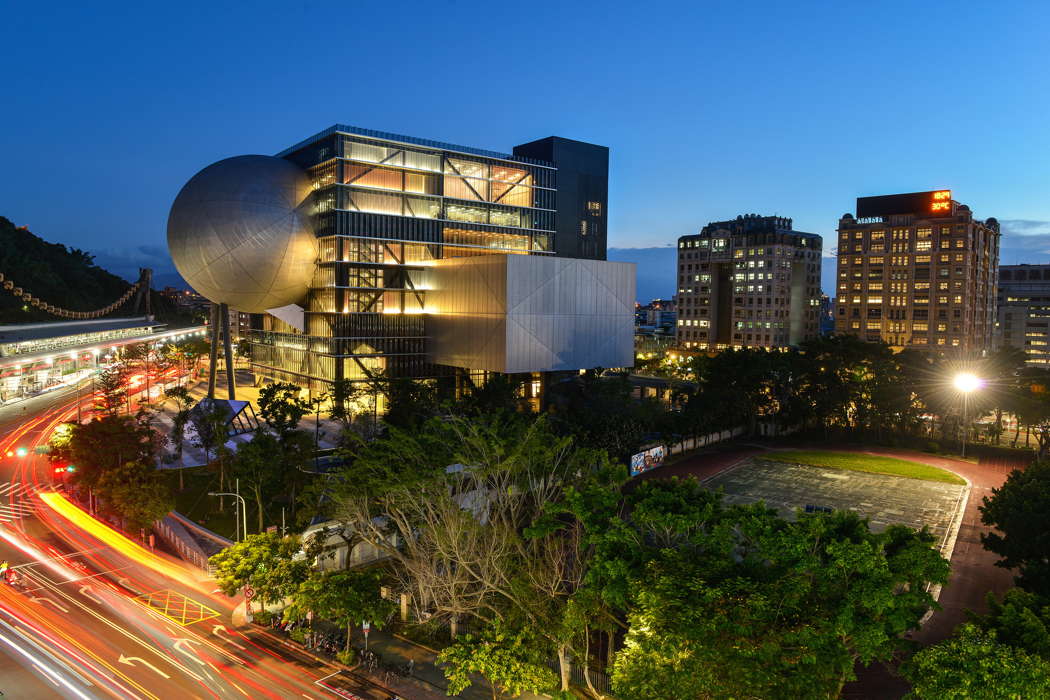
[[366, 306]]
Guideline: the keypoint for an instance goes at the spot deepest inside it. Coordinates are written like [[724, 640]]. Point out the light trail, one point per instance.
[[44, 666], [102, 532]]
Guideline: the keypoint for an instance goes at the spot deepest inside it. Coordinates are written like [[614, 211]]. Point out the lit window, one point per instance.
[[594, 207]]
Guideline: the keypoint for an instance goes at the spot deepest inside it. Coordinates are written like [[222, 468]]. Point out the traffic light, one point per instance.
[[21, 452], [71, 468]]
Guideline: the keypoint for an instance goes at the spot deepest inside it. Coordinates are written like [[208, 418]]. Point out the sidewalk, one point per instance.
[[427, 681], [193, 456]]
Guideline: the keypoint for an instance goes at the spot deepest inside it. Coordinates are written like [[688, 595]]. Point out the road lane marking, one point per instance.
[[86, 592], [176, 607], [220, 630], [45, 599], [118, 628], [130, 661], [182, 649]]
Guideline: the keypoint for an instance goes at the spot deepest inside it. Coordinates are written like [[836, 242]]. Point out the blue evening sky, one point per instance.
[[710, 109]]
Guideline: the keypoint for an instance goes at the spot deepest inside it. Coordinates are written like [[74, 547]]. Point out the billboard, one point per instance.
[[921, 204], [648, 459]]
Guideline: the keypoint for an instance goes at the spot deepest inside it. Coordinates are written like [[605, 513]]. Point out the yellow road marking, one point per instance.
[[176, 607]]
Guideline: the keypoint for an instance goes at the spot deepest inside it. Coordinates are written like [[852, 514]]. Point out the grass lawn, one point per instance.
[[195, 503], [865, 463]]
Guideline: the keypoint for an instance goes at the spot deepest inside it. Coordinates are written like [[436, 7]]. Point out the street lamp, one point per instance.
[[244, 511], [966, 383]]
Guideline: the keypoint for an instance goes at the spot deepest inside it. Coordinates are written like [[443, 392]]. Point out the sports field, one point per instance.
[[861, 462], [882, 498]]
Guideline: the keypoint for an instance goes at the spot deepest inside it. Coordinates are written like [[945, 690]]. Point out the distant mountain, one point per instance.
[[66, 277], [656, 270]]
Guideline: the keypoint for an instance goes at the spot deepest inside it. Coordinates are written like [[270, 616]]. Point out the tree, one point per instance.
[[1021, 620], [344, 394], [1020, 510], [408, 403], [281, 407], [259, 466], [267, 562], [737, 602], [104, 444], [344, 597], [112, 384], [210, 422], [506, 660], [973, 664], [137, 492], [181, 397], [600, 413], [461, 507]]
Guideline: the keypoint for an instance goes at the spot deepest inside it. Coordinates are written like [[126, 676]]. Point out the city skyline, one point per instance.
[[699, 130]]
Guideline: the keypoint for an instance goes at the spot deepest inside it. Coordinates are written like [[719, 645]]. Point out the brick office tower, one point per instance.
[[749, 282], [917, 270]]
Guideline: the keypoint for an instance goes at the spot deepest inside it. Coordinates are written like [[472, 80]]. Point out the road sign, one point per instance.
[[249, 592]]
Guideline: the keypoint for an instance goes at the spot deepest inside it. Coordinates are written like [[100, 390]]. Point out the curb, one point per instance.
[[413, 642], [303, 650]]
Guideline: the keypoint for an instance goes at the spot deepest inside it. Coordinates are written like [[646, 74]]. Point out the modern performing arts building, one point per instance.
[[366, 253]]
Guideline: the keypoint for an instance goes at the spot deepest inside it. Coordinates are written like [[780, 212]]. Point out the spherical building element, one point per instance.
[[239, 233]]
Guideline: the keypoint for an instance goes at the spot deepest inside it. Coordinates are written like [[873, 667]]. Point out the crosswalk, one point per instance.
[[14, 501]]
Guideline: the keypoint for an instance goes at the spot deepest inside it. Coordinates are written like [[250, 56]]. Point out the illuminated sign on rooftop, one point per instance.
[[920, 204]]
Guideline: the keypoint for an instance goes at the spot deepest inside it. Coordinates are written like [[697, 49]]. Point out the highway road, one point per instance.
[[97, 614]]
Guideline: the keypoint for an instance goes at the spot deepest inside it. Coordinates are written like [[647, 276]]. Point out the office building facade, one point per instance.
[[752, 282], [392, 214], [917, 271], [1023, 311]]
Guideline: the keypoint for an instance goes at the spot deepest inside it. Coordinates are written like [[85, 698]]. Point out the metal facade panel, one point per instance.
[[523, 313]]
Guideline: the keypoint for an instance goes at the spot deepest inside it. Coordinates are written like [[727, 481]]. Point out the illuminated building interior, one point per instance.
[[915, 273], [385, 208], [752, 282], [1023, 320]]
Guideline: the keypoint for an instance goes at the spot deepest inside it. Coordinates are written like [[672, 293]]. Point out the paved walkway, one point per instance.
[[193, 456]]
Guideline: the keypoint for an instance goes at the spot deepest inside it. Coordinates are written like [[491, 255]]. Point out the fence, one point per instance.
[[599, 679], [173, 530]]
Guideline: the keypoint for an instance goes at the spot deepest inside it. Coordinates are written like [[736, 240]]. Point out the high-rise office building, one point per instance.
[[428, 259], [917, 270], [1023, 316], [749, 282]]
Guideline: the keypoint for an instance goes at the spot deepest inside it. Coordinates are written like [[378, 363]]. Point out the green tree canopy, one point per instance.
[[347, 598], [508, 661], [974, 665], [106, 443], [267, 562], [137, 492], [736, 602], [1020, 510], [282, 408]]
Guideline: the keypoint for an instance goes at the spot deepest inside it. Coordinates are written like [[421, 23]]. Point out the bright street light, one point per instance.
[[967, 382]]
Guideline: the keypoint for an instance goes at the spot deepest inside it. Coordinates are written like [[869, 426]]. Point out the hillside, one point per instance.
[[61, 276]]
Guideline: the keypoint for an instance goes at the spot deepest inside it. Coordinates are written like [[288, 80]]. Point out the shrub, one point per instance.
[[298, 635], [348, 657], [933, 447], [263, 617]]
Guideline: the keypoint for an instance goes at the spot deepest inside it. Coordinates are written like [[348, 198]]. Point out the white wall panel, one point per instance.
[[525, 313]]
